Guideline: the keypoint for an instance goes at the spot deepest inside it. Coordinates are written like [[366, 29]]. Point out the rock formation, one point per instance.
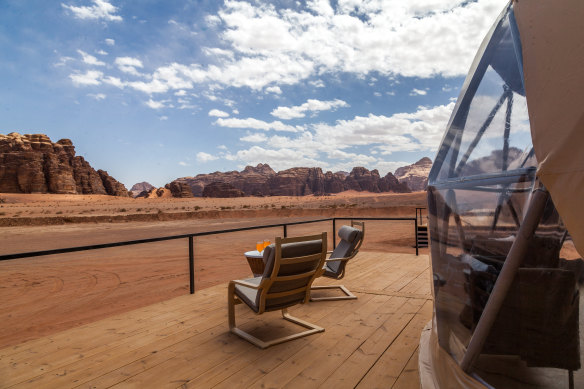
[[222, 189], [415, 176], [179, 189], [140, 187], [262, 180], [34, 164]]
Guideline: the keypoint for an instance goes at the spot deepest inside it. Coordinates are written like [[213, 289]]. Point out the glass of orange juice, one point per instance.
[[260, 246], [267, 243]]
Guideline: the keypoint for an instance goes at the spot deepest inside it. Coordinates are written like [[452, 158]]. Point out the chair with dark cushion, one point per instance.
[[292, 264], [351, 239]]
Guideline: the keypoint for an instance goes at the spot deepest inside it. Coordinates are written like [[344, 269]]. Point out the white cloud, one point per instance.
[[97, 96], [264, 48], [90, 59], [101, 52], [377, 94], [181, 92], [222, 147], [100, 10], [334, 147], [418, 92], [114, 81], [129, 65], [205, 157], [91, 77], [274, 89], [182, 163], [317, 83], [218, 113], [110, 42], [235, 112], [155, 104], [256, 124], [258, 137], [311, 105]]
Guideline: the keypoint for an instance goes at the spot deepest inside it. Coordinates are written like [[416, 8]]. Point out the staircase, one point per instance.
[[422, 232], [422, 236]]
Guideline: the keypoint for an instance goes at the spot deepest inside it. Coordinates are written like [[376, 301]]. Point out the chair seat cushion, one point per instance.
[[249, 295]]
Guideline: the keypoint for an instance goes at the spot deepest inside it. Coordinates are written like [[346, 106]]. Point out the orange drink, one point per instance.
[[267, 243], [260, 246]]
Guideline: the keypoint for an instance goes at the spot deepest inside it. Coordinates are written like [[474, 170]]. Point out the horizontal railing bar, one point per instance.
[[376, 218], [182, 236]]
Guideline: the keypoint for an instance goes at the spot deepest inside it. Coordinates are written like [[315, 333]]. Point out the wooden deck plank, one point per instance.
[[393, 361], [185, 342], [330, 359], [350, 372]]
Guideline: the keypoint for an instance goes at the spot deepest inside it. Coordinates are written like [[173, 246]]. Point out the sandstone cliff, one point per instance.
[[262, 180], [222, 189], [415, 176], [34, 164]]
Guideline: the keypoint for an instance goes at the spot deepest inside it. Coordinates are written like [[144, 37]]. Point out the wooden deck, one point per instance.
[[370, 342]]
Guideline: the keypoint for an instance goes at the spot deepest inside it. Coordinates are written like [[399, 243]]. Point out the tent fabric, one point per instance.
[[437, 368], [552, 41]]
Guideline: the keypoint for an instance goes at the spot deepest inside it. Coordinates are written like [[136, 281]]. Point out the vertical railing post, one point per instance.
[[416, 228], [334, 233], [191, 265], [285, 230]]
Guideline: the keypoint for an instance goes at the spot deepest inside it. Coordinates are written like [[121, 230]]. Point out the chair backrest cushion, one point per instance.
[[350, 238], [290, 250]]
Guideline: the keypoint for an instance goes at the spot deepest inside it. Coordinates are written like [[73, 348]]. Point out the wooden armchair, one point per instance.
[[335, 265], [292, 264]]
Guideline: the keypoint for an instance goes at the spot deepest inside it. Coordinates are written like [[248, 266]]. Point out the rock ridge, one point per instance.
[[32, 163]]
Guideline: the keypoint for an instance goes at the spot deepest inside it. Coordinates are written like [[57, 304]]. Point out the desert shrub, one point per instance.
[[197, 207], [123, 210], [59, 212]]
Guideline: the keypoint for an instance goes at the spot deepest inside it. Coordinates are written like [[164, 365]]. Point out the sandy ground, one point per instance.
[[43, 295]]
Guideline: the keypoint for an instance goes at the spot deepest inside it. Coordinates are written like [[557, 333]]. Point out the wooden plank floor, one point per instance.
[[370, 342]]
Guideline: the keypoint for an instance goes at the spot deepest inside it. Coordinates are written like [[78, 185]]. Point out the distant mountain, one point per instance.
[[262, 180], [141, 187], [415, 176], [34, 164]]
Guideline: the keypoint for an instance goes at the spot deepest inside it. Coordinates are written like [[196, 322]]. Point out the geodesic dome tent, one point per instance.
[[505, 210]]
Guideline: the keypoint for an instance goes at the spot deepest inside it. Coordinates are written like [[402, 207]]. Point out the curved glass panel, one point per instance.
[[479, 191]]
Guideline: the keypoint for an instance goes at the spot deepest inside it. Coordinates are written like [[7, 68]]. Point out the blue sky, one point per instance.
[[153, 90]]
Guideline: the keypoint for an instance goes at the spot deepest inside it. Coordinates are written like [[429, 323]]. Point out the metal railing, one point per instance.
[[190, 238]]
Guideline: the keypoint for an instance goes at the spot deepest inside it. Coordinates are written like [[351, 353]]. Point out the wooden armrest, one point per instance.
[[245, 283]]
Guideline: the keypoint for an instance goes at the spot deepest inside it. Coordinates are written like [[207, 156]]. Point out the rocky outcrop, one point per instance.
[[253, 181], [34, 164], [262, 180], [390, 183], [334, 182], [222, 189], [140, 187], [415, 176], [299, 181], [180, 189]]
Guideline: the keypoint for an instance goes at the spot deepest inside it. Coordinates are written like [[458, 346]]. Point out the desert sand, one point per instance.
[[47, 294]]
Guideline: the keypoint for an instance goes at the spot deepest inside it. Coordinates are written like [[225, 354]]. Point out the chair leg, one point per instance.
[[348, 295], [312, 329]]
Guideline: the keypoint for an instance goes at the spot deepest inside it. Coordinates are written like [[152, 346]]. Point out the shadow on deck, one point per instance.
[[184, 342]]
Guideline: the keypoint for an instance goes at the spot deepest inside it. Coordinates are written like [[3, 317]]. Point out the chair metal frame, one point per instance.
[[265, 285], [348, 295]]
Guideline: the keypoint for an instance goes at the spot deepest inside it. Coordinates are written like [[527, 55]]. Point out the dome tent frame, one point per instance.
[[515, 194]]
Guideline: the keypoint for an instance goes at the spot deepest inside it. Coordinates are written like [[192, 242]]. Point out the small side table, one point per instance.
[[256, 262]]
